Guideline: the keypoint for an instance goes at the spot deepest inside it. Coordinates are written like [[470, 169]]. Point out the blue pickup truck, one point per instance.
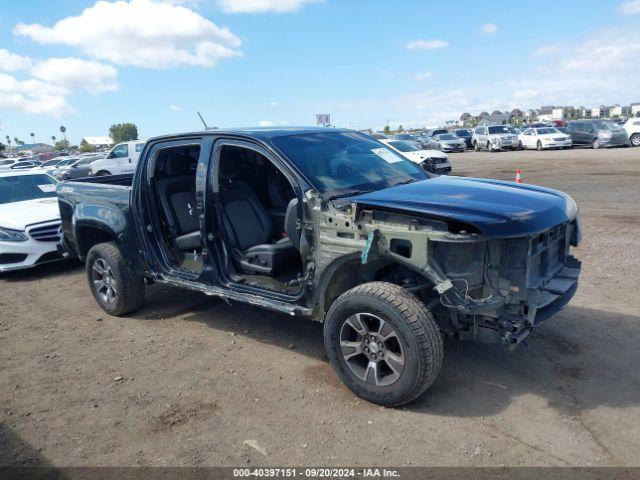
[[332, 225]]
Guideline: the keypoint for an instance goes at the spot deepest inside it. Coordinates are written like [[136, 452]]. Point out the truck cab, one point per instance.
[[121, 159]]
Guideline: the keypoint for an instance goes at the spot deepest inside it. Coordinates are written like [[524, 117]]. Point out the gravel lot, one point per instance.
[[187, 379]]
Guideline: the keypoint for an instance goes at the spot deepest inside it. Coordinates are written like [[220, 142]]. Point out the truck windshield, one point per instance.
[[347, 163], [18, 188]]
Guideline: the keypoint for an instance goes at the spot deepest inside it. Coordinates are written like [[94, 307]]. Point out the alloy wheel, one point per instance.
[[104, 281], [372, 350]]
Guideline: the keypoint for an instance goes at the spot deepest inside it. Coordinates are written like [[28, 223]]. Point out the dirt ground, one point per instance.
[[187, 379]]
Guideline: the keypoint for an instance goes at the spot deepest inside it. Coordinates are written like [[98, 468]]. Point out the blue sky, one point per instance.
[[87, 65]]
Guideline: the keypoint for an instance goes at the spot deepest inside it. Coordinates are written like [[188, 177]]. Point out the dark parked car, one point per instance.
[[596, 133], [332, 225], [466, 135], [78, 169]]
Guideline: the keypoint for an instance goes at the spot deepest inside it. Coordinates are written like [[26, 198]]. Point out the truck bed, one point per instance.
[[122, 180]]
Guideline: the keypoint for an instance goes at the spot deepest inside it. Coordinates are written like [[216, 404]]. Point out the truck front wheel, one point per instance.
[[114, 286], [383, 343]]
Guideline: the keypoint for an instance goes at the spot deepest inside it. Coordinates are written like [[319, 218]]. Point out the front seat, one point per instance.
[[176, 192], [249, 231]]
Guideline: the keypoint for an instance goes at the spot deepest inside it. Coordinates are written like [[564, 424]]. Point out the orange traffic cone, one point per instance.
[[518, 177]]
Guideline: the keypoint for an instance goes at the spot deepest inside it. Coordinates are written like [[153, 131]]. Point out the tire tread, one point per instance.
[[421, 322]]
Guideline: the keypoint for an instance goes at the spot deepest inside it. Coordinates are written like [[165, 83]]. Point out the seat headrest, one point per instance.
[[228, 169], [179, 164]]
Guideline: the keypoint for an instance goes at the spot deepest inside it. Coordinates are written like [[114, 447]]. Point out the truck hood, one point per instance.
[[17, 215], [498, 209]]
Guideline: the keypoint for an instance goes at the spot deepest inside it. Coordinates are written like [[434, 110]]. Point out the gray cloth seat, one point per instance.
[[176, 193], [249, 232]]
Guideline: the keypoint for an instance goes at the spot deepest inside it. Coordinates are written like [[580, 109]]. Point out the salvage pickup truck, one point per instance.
[[332, 225]]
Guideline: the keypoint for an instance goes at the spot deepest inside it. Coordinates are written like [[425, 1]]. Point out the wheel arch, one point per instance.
[[89, 234], [341, 275]]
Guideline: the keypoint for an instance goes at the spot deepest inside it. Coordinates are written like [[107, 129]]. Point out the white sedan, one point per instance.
[[544, 137], [29, 219], [432, 161]]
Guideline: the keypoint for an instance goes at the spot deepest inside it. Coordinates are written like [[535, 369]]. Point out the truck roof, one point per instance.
[[263, 133]]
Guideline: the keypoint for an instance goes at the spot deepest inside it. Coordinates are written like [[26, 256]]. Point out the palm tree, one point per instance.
[[63, 130], [15, 140], [8, 140], [53, 139], [33, 137]]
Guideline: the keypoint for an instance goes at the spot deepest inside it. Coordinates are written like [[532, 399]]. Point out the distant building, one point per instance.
[[33, 148], [496, 118], [596, 112], [545, 114], [615, 111], [99, 142], [635, 109]]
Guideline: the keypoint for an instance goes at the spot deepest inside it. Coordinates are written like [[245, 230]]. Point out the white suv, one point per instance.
[[122, 159], [633, 130]]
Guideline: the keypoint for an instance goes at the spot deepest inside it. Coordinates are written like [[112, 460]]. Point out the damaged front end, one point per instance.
[[486, 289], [507, 287]]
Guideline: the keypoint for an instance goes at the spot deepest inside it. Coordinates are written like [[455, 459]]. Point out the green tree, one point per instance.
[[86, 146], [61, 145], [63, 130], [123, 132], [8, 140], [2, 146], [16, 141], [401, 128], [53, 139], [33, 137], [387, 129]]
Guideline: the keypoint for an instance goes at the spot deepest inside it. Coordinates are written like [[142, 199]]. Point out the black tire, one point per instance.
[[539, 146], [128, 288], [102, 173], [595, 144], [489, 148], [476, 146], [635, 140], [415, 336]]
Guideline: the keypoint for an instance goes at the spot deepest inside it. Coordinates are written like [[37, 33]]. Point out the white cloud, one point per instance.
[[545, 50], [274, 104], [269, 123], [489, 28], [631, 7], [33, 96], [262, 6], [73, 73], [142, 33], [175, 108], [422, 76], [599, 69], [11, 62], [44, 86], [426, 44]]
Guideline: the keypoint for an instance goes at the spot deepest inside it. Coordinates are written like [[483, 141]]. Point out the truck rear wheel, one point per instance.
[[114, 286], [383, 343]]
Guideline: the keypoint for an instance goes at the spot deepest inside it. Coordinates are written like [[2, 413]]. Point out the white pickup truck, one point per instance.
[[122, 159]]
